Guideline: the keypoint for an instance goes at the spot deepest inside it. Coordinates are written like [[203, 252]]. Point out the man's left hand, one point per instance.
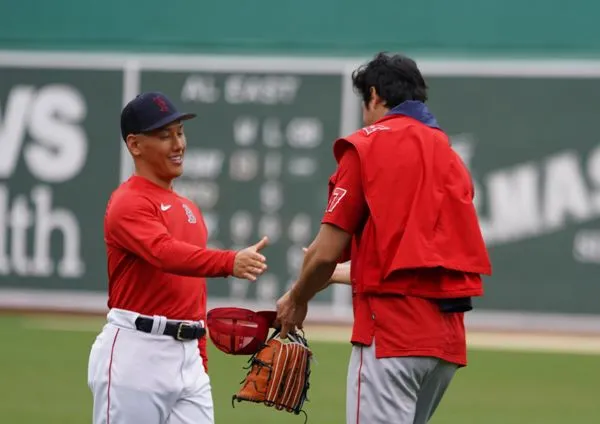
[[290, 314]]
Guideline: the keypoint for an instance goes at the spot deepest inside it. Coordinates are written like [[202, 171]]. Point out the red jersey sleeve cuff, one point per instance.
[[229, 261]]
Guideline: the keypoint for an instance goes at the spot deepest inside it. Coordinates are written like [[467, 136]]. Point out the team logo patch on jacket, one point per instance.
[[190, 215]]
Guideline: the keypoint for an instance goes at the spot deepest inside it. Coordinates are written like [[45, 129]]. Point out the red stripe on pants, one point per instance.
[[358, 395]]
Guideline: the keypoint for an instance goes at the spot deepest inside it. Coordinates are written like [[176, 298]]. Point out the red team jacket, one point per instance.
[[157, 256], [406, 197]]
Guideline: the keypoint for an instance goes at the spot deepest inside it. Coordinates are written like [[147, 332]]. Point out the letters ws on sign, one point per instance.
[[41, 129]]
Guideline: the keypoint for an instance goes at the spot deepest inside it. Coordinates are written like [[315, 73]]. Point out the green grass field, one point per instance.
[[43, 380]]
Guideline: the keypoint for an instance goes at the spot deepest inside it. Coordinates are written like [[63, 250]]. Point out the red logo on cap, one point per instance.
[[160, 102]]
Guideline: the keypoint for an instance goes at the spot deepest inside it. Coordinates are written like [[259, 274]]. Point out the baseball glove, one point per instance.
[[278, 374]]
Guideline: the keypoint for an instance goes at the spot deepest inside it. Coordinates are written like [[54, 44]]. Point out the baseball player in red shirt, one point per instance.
[[148, 365], [401, 209]]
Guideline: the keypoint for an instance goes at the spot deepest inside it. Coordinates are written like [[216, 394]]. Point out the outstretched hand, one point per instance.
[[249, 263]]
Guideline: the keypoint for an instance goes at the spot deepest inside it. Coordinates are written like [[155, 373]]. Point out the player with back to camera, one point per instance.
[[148, 364], [401, 209]]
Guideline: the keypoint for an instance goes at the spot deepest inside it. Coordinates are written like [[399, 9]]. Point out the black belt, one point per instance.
[[179, 330], [459, 304]]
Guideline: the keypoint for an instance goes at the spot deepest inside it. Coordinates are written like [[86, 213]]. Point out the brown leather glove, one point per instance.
[[279, 374]]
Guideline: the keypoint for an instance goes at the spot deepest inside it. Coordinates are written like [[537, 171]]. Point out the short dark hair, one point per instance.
[[396, 78]]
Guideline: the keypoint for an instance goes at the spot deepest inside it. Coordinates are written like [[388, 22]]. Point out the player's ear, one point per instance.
[[375, 98], [133, 144]]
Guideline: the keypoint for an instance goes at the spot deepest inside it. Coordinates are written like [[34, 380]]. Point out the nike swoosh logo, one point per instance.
[[164, 207]]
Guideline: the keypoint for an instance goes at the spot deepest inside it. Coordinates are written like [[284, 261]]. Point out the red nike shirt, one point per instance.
[[157, 256], [400, 325]]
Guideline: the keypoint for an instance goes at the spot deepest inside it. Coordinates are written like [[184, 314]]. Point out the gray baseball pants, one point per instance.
[[400, 390]]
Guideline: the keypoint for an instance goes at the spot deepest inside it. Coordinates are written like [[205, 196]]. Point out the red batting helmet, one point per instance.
[[239, 331]]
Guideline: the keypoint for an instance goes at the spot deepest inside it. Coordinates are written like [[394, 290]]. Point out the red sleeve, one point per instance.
[[133, 224], [347, 207]]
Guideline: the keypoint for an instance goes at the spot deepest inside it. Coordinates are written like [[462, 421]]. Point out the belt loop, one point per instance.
[[162, 325], [158, 324]]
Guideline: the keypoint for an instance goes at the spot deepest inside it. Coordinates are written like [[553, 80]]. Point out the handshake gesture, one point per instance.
[[249, 263]]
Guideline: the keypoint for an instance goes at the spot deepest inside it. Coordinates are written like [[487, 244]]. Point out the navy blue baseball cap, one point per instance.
[[148, 112]]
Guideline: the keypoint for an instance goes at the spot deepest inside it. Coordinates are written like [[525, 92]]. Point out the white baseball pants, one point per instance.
[[149, 378]]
